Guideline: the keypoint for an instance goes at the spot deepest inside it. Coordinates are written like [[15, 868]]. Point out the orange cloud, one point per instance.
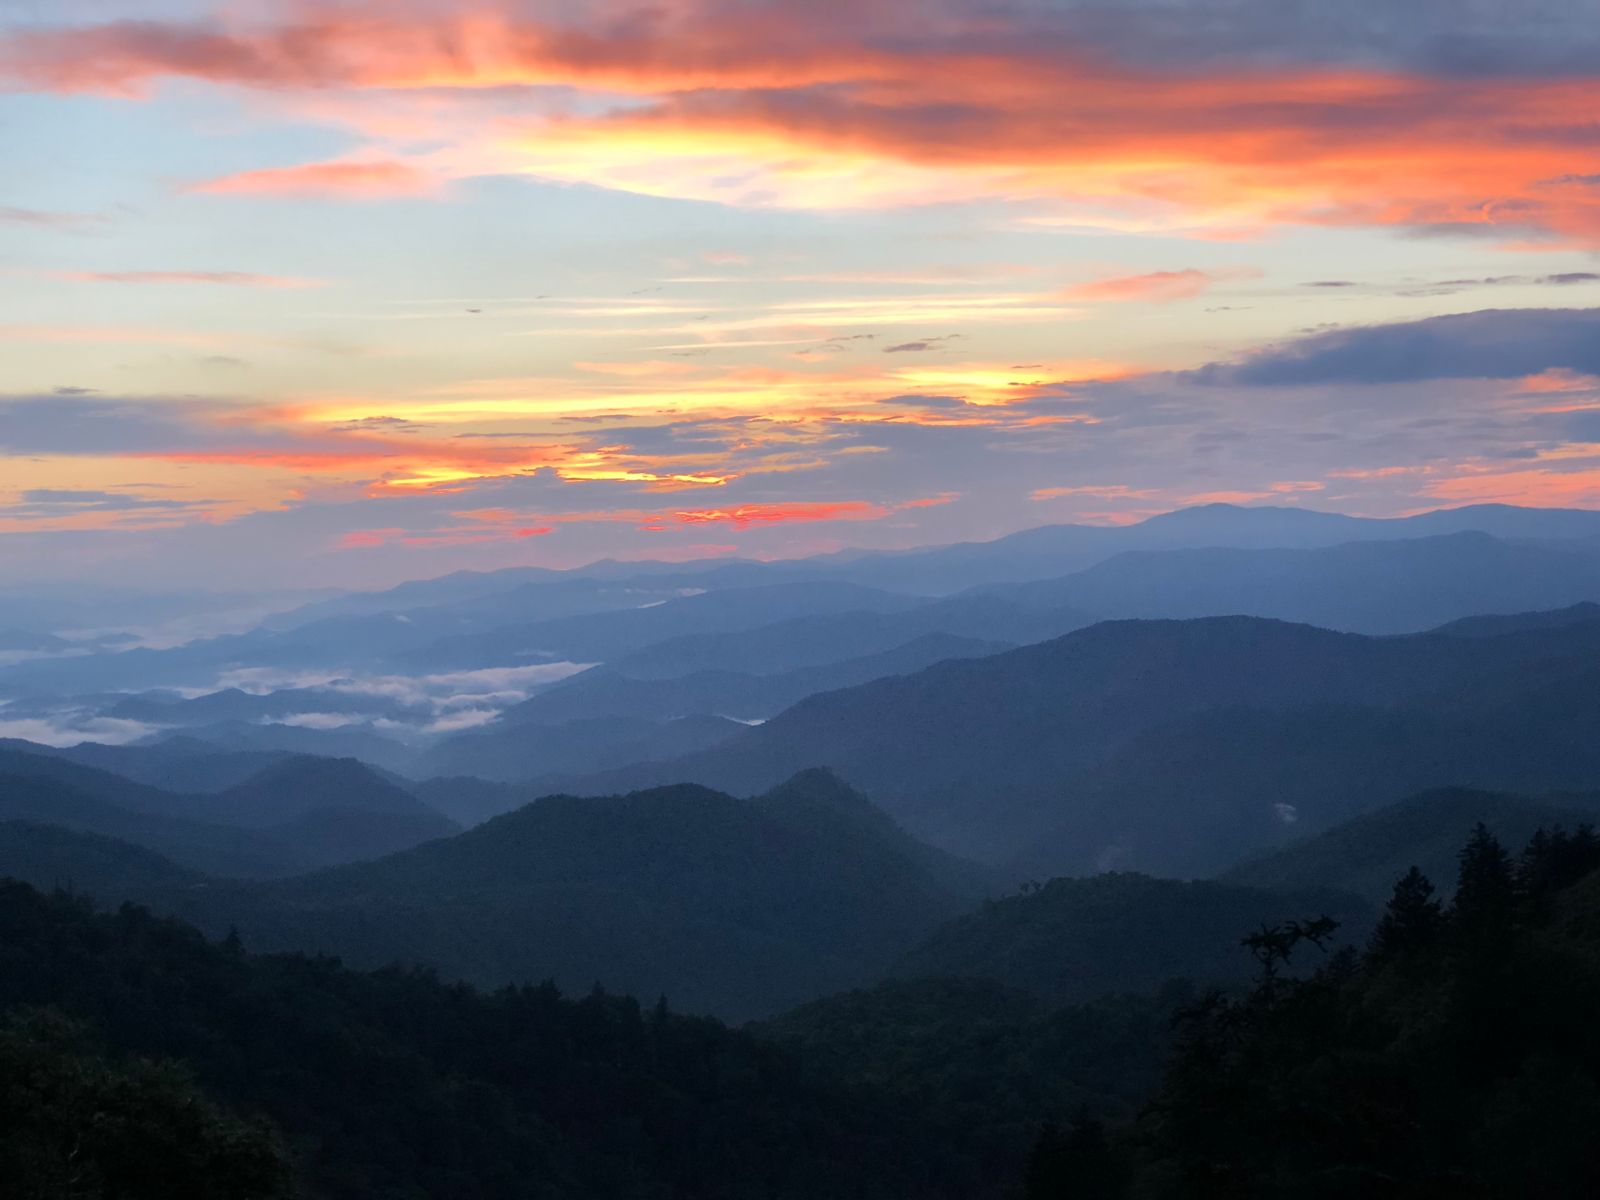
[[744, 515], [739, 516], [499, 524], [1559, 381], [765, 104], [389, 463], [384, 46], [656, 388], [365, 539], [1155, 286], [1114, 491], [1538, 487], [1377, 472], [1227, 497], [330, 180], [358, 539]]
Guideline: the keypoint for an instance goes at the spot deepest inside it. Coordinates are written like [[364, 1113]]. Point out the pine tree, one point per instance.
[[1412, 920], [1485, 889], [1556, 859]]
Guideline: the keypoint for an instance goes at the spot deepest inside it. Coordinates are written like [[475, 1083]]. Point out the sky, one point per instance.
[[342, 293]]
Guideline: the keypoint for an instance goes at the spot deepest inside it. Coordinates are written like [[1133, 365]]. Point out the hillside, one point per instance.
[[1369, 854], [27, 760], [174, 764], [744, 695], [831, 639], [394, 1084], [293, 815], [213, 849], [973, 754], [981, 1063], [602, 636], [1453, 1058], [1193, 796], [468, 800], [1075, 939], [1174, 738], [1495, 625], [1379, 587], [735, 907], [103, 868], [511, 750], [333, 810], [298, 787]]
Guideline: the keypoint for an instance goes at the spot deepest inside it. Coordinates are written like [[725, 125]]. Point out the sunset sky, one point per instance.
[[344, 293]]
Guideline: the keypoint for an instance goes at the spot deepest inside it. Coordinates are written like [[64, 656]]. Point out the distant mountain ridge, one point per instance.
[[738, 907], [1370, 853], [1121, 735], [211, 848], [292, 815], [425, 623], [1380, 587], [175, 764], [512, 750], [1493, 625], [106, 869], [607, 691]]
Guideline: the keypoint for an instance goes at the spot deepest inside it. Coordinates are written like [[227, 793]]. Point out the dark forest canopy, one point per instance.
[[1453, 1056], [395, 1084]]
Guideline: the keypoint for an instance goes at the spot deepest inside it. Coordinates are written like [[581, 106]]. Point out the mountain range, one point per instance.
[[1176, 747], [739, 907], [288, 816], [597, 613]]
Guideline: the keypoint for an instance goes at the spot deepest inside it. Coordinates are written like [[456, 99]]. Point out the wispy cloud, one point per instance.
[[54, 501], [326, 180], [218, 278], [1152, 286], [45, 219]]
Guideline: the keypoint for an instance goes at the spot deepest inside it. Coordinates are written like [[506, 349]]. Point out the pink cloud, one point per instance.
[[373, 180], [800, 104], [1153, 286]]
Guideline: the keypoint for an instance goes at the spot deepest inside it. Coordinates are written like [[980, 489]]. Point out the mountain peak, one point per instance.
[[304, 783], [1240, 513], [818, 784]]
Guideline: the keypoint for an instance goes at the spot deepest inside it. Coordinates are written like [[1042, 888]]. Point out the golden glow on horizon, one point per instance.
[[930, 248]]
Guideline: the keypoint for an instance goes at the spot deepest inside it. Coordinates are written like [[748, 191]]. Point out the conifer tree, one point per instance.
[[1485, 888], [1412, 920]]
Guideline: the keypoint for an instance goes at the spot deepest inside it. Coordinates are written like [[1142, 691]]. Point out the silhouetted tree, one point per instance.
[[1412, 921], [1485, 889], [79, 1126], [1274, 945], [1472, 1073], [1076, 1163], [1556, 859]]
